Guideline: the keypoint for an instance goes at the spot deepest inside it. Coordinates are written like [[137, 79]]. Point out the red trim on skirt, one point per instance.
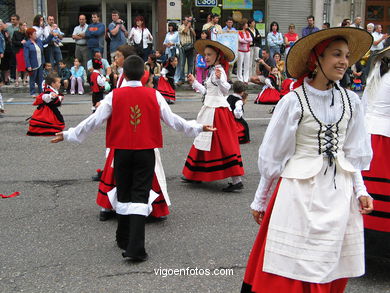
[[268, 96], [165, 88], [224, 158], [255, 280], [377, 181], [20, 63], [107, 183], [44, 122]]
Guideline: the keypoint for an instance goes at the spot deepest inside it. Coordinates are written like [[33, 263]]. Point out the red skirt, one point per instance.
[[242, 131], [165, 88], [224, 158], [377, 181], [268, 96], [44, 122], [20, 63], [107, 183], [257, 281]]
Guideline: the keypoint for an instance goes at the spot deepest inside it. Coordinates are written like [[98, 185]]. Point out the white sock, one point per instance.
[[236, 179]]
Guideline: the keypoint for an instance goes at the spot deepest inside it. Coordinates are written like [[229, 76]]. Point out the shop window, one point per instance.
[[7, 8], [69, 11]]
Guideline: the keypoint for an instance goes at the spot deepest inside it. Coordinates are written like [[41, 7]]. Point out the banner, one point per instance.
[[230, 40], [237, 4]]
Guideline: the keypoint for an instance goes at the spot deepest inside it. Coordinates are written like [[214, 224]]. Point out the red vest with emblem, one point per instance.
[[94, 84], [135, 120]]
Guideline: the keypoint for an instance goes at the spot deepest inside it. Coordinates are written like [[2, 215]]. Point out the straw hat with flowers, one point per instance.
[[200, 45], [359, 42]]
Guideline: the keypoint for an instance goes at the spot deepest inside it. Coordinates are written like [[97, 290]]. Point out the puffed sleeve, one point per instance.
[[277, 148]]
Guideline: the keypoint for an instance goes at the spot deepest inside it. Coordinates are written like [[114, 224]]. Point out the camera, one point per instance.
[[120, 22], [193, 20], [257, 59]]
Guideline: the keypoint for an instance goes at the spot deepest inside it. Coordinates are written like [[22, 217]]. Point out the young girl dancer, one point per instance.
[[311, 234], [270, 93], [47, 119], [215, 156], [166, 83]]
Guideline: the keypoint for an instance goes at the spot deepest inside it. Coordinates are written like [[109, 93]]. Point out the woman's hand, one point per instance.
[[258, 216], [190, 78], [209, 128], [366, 205], [218, 73], [59, 137]]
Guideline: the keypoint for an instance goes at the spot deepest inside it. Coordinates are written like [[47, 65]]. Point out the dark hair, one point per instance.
[[51, 78], [385, 65], [277, 53], [133, 67], [327, 24], [272, 24], [345, 22], [95, 13], [153, 57], [169, 61], [204, 32], [250, 20], [15, 15], [115, 12], [239, 87], [61, 61], [214, 15], [173, 25], [266, 49], [96, 51], [229, 18], [127, 50], [139, 18], [310, 16], [96, 63], [36, 21], [46, 63]]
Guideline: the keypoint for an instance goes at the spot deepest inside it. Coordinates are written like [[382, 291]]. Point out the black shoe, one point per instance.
[[97, 176], [184, 179], [106, 215], [151, 219], [138, 258], [169, 102], [232, 187]]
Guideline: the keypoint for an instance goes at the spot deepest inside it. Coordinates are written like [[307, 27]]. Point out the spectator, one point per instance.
[[118, 33], [95, 35], [105, 70], [201, 66], [280, 66], [12, 27], [229, 25], [48, 48], [81, 52], [171, 41], [57, 40], [310, 27], [121, 54], [212, 27], [2, 46], [290, 38], [77, 76], [5, 64], [140, 36], [39, 26], [255, 46], [154, 68], [379, 39], [265, 65], [34, 58], [357, 22], [274, 38], [47, 70], [325, 25], [370, 27], [243, 61], [18, 40], [161, 58], [346, 22], [64, 74], [187, 36]]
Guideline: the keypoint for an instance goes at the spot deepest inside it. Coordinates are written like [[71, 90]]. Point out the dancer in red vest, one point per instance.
[[215, 156], [47, 120], [98, 82], [134, 143]]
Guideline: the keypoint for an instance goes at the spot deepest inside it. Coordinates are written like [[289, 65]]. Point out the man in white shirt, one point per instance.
[[379, 39], [78, 35]]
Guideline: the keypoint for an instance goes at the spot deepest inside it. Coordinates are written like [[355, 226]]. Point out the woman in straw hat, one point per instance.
[[377, 178], [216, 156], [311, 233]]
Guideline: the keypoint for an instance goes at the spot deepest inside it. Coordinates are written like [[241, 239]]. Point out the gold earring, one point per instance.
[[315, 71]]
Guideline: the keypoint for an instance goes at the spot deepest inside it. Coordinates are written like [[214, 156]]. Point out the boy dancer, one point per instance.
[[134, 142]]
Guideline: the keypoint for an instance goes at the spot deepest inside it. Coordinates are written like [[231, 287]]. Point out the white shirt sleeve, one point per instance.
[[238, 110], [47, 98], [277, 148], [164, 72], [223, 85], [80, 132], [101, 80], [196, 85], [190, 128]]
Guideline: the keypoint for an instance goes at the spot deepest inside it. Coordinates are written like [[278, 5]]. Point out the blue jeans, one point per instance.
[[189, 57], [273, 50], [57, 56], [36, 77]]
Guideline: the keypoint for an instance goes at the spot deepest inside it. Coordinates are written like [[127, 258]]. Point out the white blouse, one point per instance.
[[136, 35], [278, 144]]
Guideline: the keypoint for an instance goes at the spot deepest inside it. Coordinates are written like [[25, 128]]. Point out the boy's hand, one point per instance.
[[59, 137], [209, 128]]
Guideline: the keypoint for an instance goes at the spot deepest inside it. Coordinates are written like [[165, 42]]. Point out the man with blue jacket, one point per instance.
[[95, 35]]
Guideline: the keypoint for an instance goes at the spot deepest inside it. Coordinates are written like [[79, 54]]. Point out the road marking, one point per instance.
[[10, 100], [258, 119]]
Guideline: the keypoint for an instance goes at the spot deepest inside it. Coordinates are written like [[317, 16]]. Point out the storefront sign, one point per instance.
[[206, 3], [174, 10], [261, 28], [237, 4]]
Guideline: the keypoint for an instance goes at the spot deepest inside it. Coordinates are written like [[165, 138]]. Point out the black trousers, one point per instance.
[[96, 97]]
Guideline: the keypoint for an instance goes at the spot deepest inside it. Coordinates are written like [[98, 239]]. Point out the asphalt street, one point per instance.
[[51, 238]]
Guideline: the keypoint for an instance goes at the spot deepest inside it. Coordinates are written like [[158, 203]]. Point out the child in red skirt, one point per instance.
[[97, 81], [47, 120], [166, 83], [215, 156], [270, 93], [236, 102], [311, 195]]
